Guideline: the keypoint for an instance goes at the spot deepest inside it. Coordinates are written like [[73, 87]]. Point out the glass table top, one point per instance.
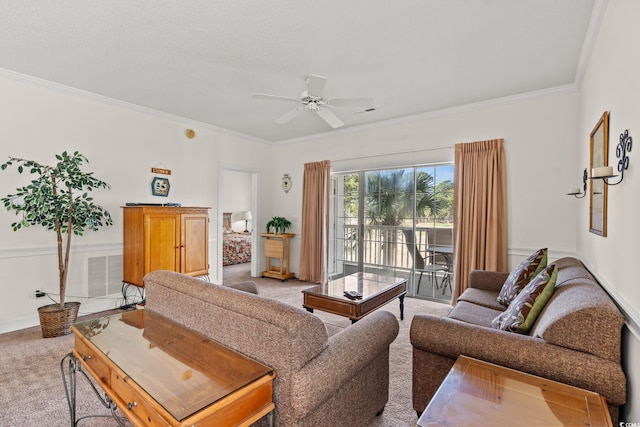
[[181, 369], [368, 284]]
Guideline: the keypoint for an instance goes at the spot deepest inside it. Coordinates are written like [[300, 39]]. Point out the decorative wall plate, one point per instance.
[[286, 182]]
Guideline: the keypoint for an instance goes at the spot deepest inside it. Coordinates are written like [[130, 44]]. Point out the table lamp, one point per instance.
[[246, 216]]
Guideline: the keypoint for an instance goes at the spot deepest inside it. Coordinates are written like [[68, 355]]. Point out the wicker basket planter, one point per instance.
[[56, 321]]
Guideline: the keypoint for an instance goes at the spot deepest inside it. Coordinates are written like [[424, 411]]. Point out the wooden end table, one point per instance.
[[477, 393], [278, 246], [157, 372], [377, 290]]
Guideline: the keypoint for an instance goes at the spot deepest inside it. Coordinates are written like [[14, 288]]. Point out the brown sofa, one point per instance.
[[342, 380], [575, 340]]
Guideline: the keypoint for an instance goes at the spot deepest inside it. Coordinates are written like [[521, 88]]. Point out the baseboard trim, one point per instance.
[[87, 307]]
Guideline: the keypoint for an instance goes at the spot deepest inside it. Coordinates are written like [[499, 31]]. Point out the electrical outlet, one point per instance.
[[40, 294]]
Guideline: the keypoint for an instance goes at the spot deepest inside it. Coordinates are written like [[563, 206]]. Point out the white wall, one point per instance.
[[539, 133], [236, 197], [611, 83], [122, 144]]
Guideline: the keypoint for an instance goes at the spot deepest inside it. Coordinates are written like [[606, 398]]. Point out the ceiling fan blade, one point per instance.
[[351, 102], [273, 97], [330, 118], [288, 116], [315, 84]]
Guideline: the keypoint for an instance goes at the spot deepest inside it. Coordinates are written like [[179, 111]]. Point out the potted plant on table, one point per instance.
[[279, 224], [59, 200]]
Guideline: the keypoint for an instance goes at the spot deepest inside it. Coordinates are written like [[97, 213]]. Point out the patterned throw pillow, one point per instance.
[[524, 310], [518, 279]]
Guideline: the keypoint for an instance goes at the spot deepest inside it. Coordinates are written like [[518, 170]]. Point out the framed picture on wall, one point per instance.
[[160, 186], [598, 194]]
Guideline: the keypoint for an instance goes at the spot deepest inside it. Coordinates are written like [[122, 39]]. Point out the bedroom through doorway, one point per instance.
[[236, 210]]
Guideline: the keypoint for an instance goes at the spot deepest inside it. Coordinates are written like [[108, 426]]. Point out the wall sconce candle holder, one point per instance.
[[606, 172], [576, 191]]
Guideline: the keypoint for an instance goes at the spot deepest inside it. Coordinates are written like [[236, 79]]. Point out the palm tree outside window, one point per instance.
[[380, 217]]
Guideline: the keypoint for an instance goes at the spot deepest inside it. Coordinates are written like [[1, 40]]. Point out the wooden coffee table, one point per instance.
[[477, 393], [157, 372], [377, 290]]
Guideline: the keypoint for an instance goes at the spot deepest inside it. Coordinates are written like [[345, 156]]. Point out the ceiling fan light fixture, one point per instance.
[[312, 99]]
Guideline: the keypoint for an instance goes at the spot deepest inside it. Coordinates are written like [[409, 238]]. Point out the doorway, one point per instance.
[[237, 212]]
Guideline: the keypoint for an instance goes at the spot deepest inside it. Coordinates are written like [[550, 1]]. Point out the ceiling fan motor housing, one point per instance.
[[308, 99], [311, 99]]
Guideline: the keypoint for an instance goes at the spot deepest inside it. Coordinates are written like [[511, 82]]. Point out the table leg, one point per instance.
[[401, 298], [310, 310], [70, 388]]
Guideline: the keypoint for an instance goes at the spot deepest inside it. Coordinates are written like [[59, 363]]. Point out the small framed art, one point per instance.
[[160, 187]]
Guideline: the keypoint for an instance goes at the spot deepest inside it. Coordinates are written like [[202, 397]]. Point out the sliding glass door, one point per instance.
[[391, 222]]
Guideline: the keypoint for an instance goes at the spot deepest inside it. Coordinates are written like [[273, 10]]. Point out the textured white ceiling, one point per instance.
[[202, 59]]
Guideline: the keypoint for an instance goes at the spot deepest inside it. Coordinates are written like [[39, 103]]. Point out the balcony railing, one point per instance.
[[391, 246], [391, 249]]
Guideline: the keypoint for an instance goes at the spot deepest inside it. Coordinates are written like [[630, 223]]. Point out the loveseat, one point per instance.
[[342, 380], [575, 340]]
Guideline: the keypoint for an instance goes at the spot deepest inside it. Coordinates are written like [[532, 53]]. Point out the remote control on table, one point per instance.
[[352, 294]]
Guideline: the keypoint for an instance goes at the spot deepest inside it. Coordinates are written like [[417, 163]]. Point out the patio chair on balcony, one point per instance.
[[431, 267], [444, 260], [435, 262]]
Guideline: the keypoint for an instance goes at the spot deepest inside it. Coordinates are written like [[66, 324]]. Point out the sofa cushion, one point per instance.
[[580, 315], [246, 286], [481, 297], [522, 275], [525, 308], [472, 313]]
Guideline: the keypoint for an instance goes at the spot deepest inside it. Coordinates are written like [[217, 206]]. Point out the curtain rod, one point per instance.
[[393, 154]]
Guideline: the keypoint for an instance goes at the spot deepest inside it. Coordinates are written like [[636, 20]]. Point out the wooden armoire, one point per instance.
[[164, 238]]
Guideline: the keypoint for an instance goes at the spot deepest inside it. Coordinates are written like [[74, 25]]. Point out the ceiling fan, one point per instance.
[[311, 99]]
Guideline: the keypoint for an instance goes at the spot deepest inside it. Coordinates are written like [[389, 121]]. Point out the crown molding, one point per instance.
[[597, 15], [554, 91], [194, 123], [68, 90]]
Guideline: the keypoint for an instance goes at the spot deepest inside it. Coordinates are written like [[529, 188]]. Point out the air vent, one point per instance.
[[368, 110], [104, 275]]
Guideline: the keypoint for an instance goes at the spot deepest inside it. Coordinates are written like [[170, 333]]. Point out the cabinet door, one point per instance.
[[162, 242], [194, 252]]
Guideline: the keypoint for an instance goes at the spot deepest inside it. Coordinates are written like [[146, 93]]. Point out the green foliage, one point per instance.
[[390, 196], [59, 200], [351, 186], [279, 224], [444, 201]]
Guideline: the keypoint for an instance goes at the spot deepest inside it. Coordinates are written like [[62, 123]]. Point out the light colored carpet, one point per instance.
[[32, 393]]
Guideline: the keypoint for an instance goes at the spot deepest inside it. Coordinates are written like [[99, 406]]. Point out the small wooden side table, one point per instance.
[[477, 393], [277, 246]]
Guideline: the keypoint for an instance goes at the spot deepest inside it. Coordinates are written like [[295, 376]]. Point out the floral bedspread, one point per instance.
[[236, 249]]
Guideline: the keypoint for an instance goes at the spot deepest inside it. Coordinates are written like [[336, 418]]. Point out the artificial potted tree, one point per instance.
[[58, 198], [279, 224]]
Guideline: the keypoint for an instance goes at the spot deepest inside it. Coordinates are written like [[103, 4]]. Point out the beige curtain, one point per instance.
[[480, 220], [315, 221]]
